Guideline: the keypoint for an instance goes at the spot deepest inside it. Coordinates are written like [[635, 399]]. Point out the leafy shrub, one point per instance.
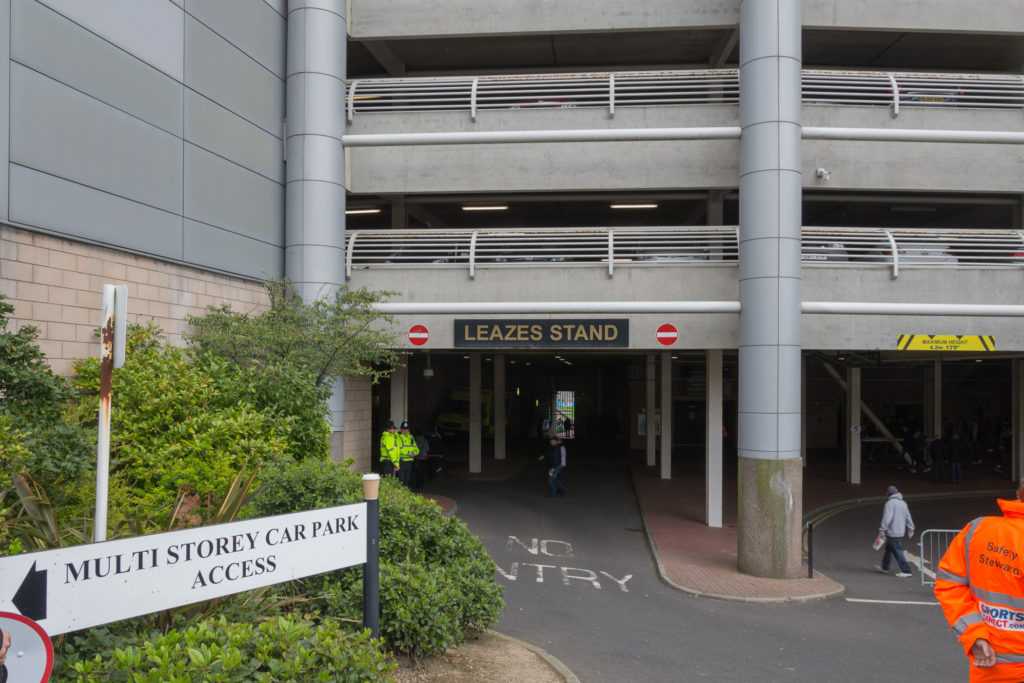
[[436, 579], [173, 427], [35, 431], [284, 648]]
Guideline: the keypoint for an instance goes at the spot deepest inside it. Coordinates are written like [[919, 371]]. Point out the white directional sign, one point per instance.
[[78, 587]]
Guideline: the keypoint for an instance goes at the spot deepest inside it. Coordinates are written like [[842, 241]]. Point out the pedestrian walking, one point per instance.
[[980, 585], [957, 454], [938, 450], [896, 523], [435, 452], [554, 458]]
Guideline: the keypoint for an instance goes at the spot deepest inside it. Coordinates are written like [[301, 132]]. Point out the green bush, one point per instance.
[[284, 648], [36, 431], [173, 427], [436, 579]]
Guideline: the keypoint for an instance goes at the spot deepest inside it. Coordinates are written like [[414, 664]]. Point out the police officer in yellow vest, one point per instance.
[[408, 450], [390, 450]]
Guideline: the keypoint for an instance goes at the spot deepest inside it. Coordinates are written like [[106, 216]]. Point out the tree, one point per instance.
[[334, 336]]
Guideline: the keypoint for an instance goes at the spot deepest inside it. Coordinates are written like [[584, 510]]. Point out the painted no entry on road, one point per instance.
[[418, 335], [667, 334], [82, 586]]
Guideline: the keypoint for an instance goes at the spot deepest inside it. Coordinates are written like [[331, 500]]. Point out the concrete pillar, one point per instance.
[[853, 425], [399, 218], [1017, 424], [499, 406], [771, 477], [475, 433], [314, 249], [936, 416], [399, 408], [713, 405], [803, 409], [652, 456], [666, 414]]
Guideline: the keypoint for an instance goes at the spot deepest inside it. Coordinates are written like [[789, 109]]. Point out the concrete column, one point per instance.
[[499, 406], [715, 209], [853, 425], [652, 455], [399, 218], [666, 414], [1017, 424], [936, 400], [399, 395], [771, 477], [803, 409], [475, 447], [713, 398], [314, 240]]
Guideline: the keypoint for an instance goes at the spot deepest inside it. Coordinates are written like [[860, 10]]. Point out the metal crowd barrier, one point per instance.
[[933, 544]]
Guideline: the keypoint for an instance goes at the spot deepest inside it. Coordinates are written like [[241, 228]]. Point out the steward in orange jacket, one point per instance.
[[980, 584]]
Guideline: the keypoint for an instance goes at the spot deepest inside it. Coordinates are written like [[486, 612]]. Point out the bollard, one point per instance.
[[810, 550], [371, 570]]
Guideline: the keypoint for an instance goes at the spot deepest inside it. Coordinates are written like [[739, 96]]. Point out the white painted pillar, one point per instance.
[[475, 446], [499, 406], [399, 395], [853, 425], [652, 456], [713, 398], [666, 414], [1017, 413], [803, 409]]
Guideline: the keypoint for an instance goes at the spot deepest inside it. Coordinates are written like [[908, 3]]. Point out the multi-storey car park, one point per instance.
[[744, 218]]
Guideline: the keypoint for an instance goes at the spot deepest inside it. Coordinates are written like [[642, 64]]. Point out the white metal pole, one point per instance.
[[103, 433]]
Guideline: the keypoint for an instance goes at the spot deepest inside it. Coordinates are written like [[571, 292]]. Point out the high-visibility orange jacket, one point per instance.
[[980, 584]]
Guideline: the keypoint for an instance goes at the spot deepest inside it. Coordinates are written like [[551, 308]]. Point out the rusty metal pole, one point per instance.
[[112, 344]]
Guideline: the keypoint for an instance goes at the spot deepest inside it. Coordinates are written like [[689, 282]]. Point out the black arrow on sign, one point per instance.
[[31, 596]]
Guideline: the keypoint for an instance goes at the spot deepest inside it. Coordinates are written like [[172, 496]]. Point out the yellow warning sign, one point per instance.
[[946, 342]]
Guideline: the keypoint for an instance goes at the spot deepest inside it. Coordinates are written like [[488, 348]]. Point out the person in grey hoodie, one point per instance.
[[896, 522]]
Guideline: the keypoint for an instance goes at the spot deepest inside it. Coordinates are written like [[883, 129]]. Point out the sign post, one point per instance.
[[72, 588], [371, 571], [114, 312]]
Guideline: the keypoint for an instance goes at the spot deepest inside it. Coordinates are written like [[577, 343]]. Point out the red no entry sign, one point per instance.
[[667, 334], [418, 335]]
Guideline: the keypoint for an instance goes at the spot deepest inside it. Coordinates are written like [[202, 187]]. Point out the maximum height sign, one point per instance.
[[82, 586]]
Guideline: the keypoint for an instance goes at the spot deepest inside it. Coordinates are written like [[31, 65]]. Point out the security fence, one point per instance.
[[933, 544]]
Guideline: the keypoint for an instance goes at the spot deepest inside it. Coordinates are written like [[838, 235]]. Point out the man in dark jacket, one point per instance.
[[555, 460]]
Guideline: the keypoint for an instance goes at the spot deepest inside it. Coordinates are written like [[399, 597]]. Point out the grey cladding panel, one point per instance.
[[212, 247], [42, 200], [254, 27], [227, 76], [149, 29], [228, 196], [214, 128], [67, 134], [63, 50]]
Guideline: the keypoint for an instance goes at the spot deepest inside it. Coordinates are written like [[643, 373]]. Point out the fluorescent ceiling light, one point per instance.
[[634, 206], [350, 212], [485, 207]]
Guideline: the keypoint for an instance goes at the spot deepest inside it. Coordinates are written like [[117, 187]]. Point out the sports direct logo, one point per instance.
[[1003, 618]]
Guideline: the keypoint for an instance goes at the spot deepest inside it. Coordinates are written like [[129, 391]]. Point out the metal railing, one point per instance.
[[610, 248], [653, 88], [933, 544]]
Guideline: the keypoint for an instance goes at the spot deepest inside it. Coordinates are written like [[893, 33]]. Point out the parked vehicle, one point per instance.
[[825, 251]]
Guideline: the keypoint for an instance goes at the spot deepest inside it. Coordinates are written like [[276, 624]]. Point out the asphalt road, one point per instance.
[[581, 583]]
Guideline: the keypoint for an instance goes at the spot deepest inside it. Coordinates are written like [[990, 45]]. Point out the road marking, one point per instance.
[[892, 602], [914, 559]]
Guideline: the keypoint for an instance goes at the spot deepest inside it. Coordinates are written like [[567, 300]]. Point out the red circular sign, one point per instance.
[[667, 334], [418, 335], [31, 655]]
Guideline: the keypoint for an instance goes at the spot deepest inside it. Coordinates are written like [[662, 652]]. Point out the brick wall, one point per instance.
[[56, 284]]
